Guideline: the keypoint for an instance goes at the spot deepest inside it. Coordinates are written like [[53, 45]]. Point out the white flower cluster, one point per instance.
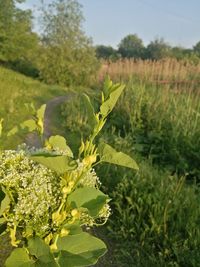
[[101, 219], [89, 178], [34, 191]]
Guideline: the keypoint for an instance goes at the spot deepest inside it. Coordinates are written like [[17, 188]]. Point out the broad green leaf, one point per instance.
[[19, 258], [80, 250], [88, 197], [59, 142], [106, 87], [41, 251], [4, 204], [110, 155], [29, 125], [41, 111], [37, 247], [72, 260], [90, 111], [57, 163], [109, 104], [73, 229]]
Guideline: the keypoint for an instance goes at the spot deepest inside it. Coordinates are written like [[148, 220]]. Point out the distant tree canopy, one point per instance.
[[196, 48], [131, 46], [106, 52], [67, 55], [158, 49], [62, 53]]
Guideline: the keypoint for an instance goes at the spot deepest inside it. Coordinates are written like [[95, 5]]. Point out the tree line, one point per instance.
[[60, 52], [131, 46]]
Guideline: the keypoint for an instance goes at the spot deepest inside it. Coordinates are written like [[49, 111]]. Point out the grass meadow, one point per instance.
[[155, 212]]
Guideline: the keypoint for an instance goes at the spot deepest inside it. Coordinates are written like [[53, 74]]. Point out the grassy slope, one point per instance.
[[15, 91]]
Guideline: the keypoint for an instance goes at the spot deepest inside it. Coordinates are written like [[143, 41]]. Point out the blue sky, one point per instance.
[[108, 21]]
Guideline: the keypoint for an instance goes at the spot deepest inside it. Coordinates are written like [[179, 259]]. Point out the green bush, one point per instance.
[[155, 220]]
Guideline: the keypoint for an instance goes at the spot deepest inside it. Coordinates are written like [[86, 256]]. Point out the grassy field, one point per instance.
[[155, 212]]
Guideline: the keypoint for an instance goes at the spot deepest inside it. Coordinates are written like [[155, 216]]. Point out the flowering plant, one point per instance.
[[48, 198]]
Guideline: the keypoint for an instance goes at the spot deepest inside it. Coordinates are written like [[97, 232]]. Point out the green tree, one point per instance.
[[67, 55], [196, 48], [158, 49], [131, 46], [17, 41], [106, 52]]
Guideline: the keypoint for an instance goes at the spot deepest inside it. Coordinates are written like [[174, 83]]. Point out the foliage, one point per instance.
[[67, 56], [155, 220], [131, 46], [48, 197], [196, 48], [158, 49], [107, 52], [17, 41]]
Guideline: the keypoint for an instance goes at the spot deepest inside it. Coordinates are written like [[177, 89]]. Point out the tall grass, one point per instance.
[[164, 125], [179, 74], [155, 220]]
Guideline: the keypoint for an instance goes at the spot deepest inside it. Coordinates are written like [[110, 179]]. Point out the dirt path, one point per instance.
[[32, 138]]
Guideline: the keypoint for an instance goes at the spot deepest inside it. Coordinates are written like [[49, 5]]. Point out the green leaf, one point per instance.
[[19, 258], [110, 155], [29, 125], [114, 94], [59, 142], [88, 197], [57, 163], [106, 87], [37, 247], [90, 111], [40, 112], [73, 229], [4, 204], [70, 260], [41, 252], [80, 250]]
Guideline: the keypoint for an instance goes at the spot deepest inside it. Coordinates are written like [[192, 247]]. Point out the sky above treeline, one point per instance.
[[108, 21]]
